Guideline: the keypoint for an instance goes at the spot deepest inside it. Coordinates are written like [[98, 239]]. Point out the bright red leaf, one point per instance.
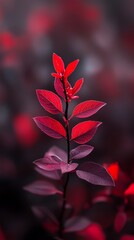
[[83, 132], [113, 170], [50, 126], [58, 63], [78, 86], [70, 68], [94, 173], [81, 151], [50, 101], [130, 190], [87, 108]]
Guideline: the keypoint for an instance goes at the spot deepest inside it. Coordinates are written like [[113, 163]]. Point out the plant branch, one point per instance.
[[61, 218]]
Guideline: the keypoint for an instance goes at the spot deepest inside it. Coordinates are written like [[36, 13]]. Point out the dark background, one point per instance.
[[101, 34]]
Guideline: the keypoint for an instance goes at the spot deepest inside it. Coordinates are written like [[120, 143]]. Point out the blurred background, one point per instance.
[[101, 34]]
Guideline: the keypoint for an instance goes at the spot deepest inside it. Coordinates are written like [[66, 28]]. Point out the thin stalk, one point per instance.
[[61, 218]]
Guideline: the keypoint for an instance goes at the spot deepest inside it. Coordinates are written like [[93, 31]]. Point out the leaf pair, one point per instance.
[[81, 133], [60, 67]]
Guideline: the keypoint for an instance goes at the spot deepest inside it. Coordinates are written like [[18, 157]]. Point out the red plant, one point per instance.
[[56, 162]]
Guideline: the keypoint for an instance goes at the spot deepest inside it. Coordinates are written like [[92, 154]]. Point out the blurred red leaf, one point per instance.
[[50, 101], [87, 108], [113, 170], [48, 163], [58, 63], [24, 129], [68, 167], [70, 68], [120, 221], [94, 173], [76, 223], [129, 190], [42, 188], [50, 126], [83, 132], [77, 86], [81, 151], [92, 232]]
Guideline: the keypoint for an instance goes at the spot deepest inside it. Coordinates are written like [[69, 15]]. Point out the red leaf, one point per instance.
[[50, 126], [58, 63], [48, 163], [76, 223], [83, 132], [87, 108], [78, 86], [130, 190], [81, 151], [70, 68], [94, 173], [50, 101], [42, 188], [113, 170], [59, 87], [120, 221]]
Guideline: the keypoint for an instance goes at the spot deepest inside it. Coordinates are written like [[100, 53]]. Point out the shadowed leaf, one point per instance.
[[94, 173], [49, 101], [83, 132], [81, 151], [50, 126], [87, 108]]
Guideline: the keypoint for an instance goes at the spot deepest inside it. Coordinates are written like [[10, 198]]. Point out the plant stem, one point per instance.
[[61, 218]]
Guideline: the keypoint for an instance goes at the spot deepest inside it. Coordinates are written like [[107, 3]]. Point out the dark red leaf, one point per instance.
[[56, 151], [120, 221], [50, 126], [58, 63], [68, 167], [81, 151], [50, 101], [59, 87], [87, 108], [130, 190], [76, 223], [70, 68], [95, 174], [113, 170], [77, 86], [42, 188], [48, 163], [83, 132]]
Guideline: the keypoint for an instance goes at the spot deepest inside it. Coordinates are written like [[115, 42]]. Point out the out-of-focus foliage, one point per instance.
[[101, 34]]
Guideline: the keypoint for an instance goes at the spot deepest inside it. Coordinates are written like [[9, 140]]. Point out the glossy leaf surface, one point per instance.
[[83, 132], [50, 126], [49, 101], [94, 173]]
